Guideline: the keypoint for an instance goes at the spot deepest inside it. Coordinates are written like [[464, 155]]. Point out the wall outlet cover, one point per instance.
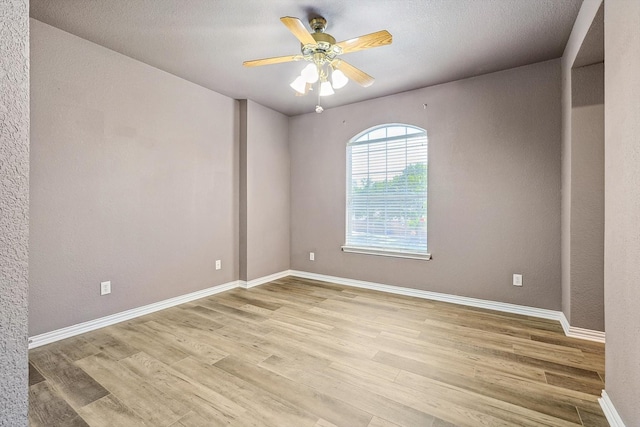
[[218, 264], [105, 288], [517, 280]]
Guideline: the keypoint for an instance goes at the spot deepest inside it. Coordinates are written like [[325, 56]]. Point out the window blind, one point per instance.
[[387, 190]]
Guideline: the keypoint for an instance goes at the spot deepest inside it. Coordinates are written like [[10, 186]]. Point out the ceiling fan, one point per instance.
[[322, 51]]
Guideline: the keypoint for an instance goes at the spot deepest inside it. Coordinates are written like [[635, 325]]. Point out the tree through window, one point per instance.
[[387, 191]]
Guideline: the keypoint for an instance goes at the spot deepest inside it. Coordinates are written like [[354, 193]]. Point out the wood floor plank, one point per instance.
[[35, 376], [306, 353], [152, 403], [293, 348], [186, 344], [298, 321], [232, 312], [455, 359], [330, 321], [323, 346], [192, 420], [324, 423], [478, 346], [433, 403], [512, 414], [379, 422], [248, 351], [594, 387], [191, 393], [355, 396], [109, 411], [47, 408], [292, 293], [442, 423], [140, 337], [264, 406], [192, 315], [553, 338], [75, 348], [592, 419], [241, 298], [327, 407], [107, 343], [527, 398], [559, 394], [366, 367], [371, 323], [73, 384]]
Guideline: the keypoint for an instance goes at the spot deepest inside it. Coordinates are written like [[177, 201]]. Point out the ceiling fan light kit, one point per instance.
[[299, 85], [325, 88], [322, 51], [338, 79], [310, 73]]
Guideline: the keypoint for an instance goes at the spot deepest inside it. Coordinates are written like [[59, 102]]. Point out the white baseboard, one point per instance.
[[436, 296], [610, 411], [59, 334], [70, 331], [575, 332], [569, 330], [264, 279]]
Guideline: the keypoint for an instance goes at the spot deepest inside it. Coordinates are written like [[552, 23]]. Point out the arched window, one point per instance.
[[387, 192]]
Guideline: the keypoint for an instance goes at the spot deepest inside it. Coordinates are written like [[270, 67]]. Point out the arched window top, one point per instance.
[[387, 132]]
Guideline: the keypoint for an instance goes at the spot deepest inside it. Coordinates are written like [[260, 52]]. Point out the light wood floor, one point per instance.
[[299, 353]]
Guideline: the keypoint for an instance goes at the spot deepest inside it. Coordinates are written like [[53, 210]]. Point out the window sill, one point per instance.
[[386, 252]]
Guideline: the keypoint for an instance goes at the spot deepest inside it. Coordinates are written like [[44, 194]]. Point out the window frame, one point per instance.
[[375, 250]]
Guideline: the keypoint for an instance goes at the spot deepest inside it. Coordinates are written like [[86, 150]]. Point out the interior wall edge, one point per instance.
[[588, 12], [586, 16]]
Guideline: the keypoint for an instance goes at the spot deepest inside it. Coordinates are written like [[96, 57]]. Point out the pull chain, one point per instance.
[[319, 108]]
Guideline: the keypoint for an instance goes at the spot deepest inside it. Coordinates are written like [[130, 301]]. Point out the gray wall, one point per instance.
[[494, 187], [622, 206], [265, 191], [134, 179], [14, 210], [587, 197], [583, 170]]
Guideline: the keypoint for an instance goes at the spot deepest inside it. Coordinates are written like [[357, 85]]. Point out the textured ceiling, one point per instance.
[[206, 41]]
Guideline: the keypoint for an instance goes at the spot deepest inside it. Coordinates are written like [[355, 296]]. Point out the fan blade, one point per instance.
[[355, 74], [274, 60], [380, 38], [298, 29]]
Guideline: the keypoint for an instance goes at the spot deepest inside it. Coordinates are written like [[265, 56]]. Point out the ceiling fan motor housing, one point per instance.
[[325, 46]]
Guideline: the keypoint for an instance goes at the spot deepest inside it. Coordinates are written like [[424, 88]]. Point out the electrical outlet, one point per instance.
[[218, 264], [312, 256], [105, 288], [517, 280]]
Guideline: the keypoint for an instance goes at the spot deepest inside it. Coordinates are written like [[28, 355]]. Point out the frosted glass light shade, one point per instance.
[[326, 89], [310, 73], [339, 79], [299, 84]]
